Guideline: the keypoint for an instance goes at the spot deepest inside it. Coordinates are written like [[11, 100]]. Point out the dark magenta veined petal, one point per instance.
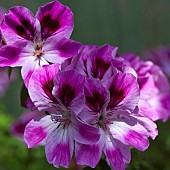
[[97, 99], [124, 92], [79, 62], [60, 146], [58, 50], [38, 130], [68, 90], [19, 24], [41, 85], [55, 19], [99, 62]]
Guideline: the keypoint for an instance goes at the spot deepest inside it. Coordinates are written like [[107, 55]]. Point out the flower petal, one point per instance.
[[19, 24], [99, 62], [84, 133], [117, 154], [59, 147], [130, 132], [148, 124], [89, 154], [55, 19], [58, 50], [124, 92], [17, 54], [97, 99], [68, 90], [41, 86], [37, 131]]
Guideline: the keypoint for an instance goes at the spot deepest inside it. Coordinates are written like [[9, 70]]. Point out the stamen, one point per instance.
[[56, 118]]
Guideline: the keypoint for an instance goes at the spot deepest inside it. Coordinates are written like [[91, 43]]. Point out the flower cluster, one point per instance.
[[161, 57], [91, 101]]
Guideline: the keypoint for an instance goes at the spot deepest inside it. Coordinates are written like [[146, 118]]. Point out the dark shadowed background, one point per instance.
[[132, 25]]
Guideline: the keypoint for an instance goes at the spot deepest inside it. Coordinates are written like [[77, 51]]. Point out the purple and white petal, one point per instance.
[[30, 66], [38, 130], [116, 153], [148, 124], [19, 24], [60, 146], [84, 133], [55, 19], [124, 92], [89, 155], [17, 54], [130, 132], [68, 90], [40, 87], [58, 50]]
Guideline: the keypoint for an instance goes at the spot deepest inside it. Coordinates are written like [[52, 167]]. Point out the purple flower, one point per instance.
[[62, 95], [37, 41], [112, 96], [154, 88], [161, 57], [18, 127], [110, 106], [93, 62]]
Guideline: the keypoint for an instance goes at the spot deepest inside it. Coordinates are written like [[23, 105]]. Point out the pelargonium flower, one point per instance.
[[37, 41], [161, 57], [62, 95], [101, 66], [110, 107], [98, 62], [102, 63], [154, 88]]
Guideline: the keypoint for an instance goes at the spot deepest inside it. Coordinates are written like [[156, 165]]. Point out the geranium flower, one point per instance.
[[98, 62], [110, 107], [154, 88], [37, 41], [112, 95], [161, 57], [62, 95]]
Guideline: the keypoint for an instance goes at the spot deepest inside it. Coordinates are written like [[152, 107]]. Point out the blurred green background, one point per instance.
[[133, 25]]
